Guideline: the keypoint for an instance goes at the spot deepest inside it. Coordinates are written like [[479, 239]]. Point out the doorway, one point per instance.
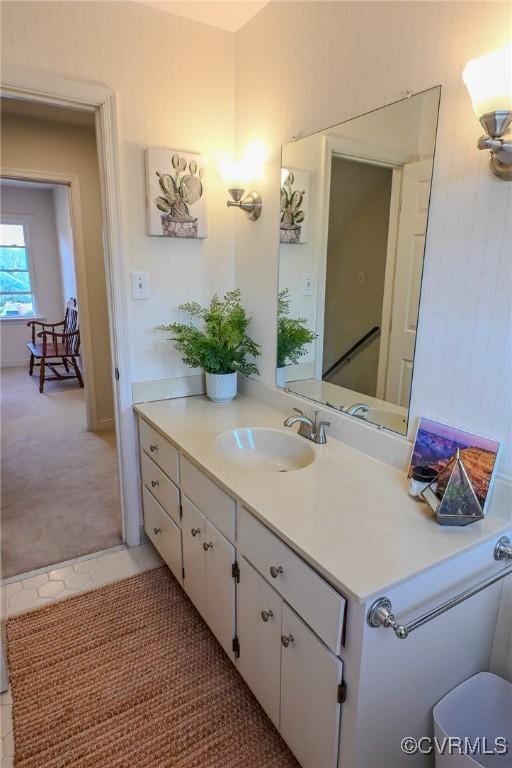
[[61, 493], [357, 250]]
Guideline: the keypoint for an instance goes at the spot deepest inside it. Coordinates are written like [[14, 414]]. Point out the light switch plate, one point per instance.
[[307, 284], [140, 285]]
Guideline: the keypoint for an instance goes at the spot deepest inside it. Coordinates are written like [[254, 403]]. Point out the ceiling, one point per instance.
[[47, 112], [225, 14], [21, 184]]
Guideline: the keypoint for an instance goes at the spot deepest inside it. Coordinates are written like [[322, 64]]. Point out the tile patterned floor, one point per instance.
[[28, 591]]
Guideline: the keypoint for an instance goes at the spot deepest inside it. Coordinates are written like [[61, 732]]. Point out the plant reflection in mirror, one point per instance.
[[292, 334]]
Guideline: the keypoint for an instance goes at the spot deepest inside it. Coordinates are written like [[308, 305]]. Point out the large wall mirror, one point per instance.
[[354, 207]]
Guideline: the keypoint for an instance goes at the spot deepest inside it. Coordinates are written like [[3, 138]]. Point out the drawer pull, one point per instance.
[[286, 640], [207, 546], [156, 531], [266, 615], [153, 448], [276, 571], [195, 531], [154, 483]]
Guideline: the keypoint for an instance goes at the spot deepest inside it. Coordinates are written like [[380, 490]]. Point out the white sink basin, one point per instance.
[[264, 450]]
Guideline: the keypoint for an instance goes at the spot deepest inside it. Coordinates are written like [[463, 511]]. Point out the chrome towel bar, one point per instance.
[[381, 611]]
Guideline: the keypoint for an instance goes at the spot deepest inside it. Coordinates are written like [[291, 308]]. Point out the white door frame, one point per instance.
[[350, 149], [75, 94]]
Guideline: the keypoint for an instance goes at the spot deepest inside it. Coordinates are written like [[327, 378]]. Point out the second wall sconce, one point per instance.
[[489, 82], [250, 203], [237, 174]]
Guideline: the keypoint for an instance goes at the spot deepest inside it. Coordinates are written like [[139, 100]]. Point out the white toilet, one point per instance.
[[479, 711]]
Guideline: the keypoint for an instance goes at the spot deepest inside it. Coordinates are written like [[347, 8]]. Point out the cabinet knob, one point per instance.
[[156, 531], [266, 615], [286, 640], [207, 546], [154, 483], [276, 571], [153, 448], [195, 531]]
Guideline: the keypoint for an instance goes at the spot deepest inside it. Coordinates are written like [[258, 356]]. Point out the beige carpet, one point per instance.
[[129, 676], [60, 490]]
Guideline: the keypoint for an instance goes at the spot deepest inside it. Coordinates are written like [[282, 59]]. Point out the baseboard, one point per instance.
[[104, 425], [163, 389], [500, 497], [300, 371], [15, 363]]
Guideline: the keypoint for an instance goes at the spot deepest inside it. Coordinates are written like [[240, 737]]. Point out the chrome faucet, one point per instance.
[[358, 409], [311, 429]]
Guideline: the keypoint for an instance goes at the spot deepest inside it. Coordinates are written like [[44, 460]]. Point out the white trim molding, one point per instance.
[[98, 98], [164, 389]]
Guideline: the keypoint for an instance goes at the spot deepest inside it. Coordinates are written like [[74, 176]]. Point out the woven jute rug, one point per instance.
[[129, 675]]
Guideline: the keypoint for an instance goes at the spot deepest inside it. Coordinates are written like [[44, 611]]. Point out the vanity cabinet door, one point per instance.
[[310, 712], [165, 535], [219, 556], [208, 560], [259, 634], [193, 527]]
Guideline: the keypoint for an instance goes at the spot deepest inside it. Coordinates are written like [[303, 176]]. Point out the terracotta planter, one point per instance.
[[221, 387], [290, 234], [175, 227]]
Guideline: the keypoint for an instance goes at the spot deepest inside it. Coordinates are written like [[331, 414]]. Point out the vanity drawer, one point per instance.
[[314, 600], [165, 535], [161, 487], [161, 451], [211, 500]]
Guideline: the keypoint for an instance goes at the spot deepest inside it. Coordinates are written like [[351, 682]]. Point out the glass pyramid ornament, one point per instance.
[[458, 504]]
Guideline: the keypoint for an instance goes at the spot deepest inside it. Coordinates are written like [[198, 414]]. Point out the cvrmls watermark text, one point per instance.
[[453, 745]]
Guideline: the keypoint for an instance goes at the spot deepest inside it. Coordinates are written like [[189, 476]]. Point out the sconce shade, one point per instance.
[[247, 169], [489, 81]]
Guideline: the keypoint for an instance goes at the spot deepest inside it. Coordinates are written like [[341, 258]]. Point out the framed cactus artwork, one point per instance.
[[176, 194], [294, 206]]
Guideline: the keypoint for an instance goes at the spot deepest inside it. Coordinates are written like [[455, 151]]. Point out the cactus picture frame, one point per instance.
[[176, 194], [293, 225]]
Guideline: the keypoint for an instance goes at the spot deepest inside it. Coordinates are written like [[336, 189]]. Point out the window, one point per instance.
[[16, 285]]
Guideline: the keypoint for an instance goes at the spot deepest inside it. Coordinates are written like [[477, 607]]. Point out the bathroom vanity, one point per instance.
[[283, 546]]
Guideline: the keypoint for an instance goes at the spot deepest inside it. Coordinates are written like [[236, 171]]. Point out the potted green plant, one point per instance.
[[216, 340], [292, 337]]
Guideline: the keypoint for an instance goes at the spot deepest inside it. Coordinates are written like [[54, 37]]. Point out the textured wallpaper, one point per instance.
[[309, 65], [174, 81]]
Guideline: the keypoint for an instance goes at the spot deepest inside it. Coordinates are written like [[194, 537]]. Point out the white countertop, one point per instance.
[[347, 514]]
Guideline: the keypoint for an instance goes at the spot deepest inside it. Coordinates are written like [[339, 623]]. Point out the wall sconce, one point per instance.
[[251, 203], [237, 174], [489, 82]]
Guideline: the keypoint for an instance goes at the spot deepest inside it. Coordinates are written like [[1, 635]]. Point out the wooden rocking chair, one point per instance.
[[56, 348]]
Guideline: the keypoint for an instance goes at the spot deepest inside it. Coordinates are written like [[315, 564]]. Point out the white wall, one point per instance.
[[65, 238], [174, 81], [36, 205]]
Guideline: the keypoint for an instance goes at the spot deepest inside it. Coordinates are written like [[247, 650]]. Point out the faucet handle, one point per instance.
[[298, 410], [320, 429]]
